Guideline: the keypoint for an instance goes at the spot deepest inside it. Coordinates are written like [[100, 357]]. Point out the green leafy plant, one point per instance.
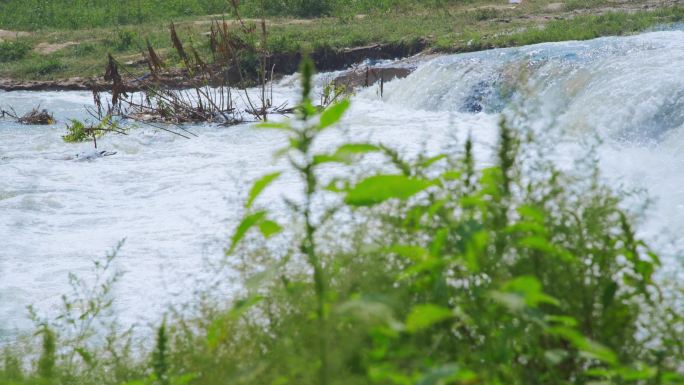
[[496, 282], [159, 356], [78, 131]]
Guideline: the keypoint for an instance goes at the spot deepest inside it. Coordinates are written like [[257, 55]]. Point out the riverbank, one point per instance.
[[75, 59]]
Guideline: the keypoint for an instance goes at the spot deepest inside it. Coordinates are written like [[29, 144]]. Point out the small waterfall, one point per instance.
[[624, 88], [621, 96]]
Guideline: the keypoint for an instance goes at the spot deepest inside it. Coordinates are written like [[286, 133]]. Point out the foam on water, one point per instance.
[[175, 200]]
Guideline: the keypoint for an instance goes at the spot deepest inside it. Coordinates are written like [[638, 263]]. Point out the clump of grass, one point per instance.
[[13, 50], [124, 39], [37, 67], [572, 5], [482, 14], [48, 356]]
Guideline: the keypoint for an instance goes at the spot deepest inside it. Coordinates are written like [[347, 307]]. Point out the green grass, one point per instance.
[[572, 5], [79, 14], [590, 27], [429, 270]]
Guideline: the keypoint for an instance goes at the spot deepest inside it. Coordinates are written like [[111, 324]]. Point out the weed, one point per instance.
[[160, 356], [46, 362], [124, 39], [13, 50]]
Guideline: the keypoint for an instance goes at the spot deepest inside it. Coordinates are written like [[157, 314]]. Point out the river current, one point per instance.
[[619, 100]]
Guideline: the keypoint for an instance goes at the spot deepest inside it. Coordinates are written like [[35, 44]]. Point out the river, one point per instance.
[[618, 100]]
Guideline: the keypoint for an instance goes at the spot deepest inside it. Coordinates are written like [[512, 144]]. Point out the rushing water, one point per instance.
[[175, 200]]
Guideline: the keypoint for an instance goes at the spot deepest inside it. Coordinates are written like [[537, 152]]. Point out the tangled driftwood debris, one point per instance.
[[36, 116], [211, 89]]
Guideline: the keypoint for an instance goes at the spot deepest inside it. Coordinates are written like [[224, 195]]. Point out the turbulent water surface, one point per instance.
[[174, 200]]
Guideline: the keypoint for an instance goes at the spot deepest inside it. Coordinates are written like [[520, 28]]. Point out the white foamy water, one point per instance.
[[176, 200]]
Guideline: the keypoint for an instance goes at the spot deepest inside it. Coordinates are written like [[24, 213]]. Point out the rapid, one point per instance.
[[616, 100]]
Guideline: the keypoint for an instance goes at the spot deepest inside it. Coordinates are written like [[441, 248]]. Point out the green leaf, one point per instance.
[[537, 243], [337, 185], [525, 291], [241, 307], [269, 228], [475, 247], [422, 317], [346, 153], [639, 372], [425, 163], [85, 355], [184, 379], [429, 265], [325, 158], [357, 148], [259, 186], [278, 126], [247, 223], [451, 175], [333, 114], [587, 347], [562, 320], [532, 213], [414, 253], [379, 188]]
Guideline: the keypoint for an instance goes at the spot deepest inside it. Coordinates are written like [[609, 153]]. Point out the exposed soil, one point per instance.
[[554, 7], [5, 34], [47, 48], [269, 22]]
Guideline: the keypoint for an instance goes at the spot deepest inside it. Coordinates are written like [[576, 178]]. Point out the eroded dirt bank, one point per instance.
[[283, 64]]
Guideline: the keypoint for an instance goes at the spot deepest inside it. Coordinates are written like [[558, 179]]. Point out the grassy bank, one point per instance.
[[429, 271], [448, 27]]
